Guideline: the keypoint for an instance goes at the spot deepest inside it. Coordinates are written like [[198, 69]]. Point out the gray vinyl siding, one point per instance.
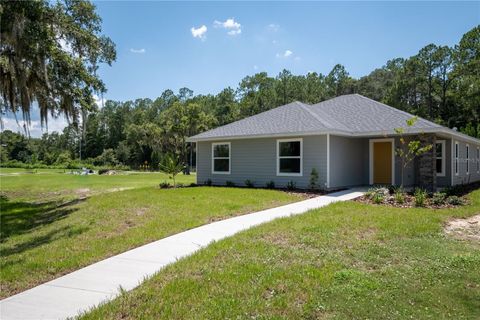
[[408, 171], [463, 177], [348, 161], [256, 160]]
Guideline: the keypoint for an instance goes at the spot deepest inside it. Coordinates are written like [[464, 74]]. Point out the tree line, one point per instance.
[[439, 83]]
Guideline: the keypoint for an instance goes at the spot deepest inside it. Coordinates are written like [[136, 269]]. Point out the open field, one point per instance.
[[53, 184], [345, 261], [49, 228]]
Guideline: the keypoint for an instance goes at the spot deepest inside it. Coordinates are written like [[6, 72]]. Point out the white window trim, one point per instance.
[[478, 159], [371, 142], [281, 174], [229, 158], [456, 155], [467, 156], [443, 157]]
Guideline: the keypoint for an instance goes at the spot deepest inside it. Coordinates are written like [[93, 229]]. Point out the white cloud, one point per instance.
[[140, 51], [231, 25], [35, 128], [287, 53], [273, 27], [200, 32]]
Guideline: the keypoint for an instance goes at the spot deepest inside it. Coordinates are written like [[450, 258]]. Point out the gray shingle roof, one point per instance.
[[350, 114]]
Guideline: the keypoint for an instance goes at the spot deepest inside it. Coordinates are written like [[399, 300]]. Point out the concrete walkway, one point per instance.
[[67, 296]]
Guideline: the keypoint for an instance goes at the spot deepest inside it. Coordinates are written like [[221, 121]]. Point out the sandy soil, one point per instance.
[[467, 229]]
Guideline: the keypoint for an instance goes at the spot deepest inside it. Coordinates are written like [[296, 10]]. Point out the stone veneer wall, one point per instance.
[[425, 173]]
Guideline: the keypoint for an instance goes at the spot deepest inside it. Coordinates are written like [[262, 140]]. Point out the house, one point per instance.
[[350, 140]]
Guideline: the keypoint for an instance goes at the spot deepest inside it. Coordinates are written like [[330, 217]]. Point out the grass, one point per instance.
[[345, 261], [43, 237], [52, 184]]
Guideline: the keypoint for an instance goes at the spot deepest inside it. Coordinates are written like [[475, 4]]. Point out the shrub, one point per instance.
[[249, 183], [438, 198], [208, 182], [229, 183], [313, 185], [164, 185], [102, 171], [372, 192], [291, 185], [420, 197], [193, 184], [456, 190], [399, 195], [180, 185], [378, 197], [270, 184], [392, 189], [454, 201]]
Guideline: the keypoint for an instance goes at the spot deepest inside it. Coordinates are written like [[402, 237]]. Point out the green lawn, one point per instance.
[[345, 261], [52, 184], [43, 237]]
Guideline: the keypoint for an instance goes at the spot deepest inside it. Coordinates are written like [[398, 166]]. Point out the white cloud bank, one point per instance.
[[200, 32], [35, 128], [234, 28], [140, 51]]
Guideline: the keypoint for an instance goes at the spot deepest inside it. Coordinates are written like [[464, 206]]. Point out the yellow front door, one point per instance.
[[382, 162]]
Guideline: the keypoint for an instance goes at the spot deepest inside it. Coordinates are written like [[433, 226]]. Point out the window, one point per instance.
[[478, 159], [440, 157], [289, 157], [221, 158], [468, 158], [456, 158]]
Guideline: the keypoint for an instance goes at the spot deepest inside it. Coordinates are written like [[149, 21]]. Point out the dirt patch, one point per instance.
[[117, 189], [141, 211], [82, 193], [465, 229]]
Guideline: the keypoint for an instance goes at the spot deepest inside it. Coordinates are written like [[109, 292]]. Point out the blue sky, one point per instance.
[[157, 48], [360, 35]]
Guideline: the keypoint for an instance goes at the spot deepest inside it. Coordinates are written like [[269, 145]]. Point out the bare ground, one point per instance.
[[465, 229]]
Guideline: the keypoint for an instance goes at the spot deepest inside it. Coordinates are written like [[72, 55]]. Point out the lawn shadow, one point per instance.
[[63, 232], [20, 217]]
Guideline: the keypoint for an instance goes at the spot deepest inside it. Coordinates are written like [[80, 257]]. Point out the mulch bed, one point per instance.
[[410, 202]]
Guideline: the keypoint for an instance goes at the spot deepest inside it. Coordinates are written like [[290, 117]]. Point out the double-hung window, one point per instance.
[[221, 154], [289, 157], [456, 158], [468, 158], [440, 157]]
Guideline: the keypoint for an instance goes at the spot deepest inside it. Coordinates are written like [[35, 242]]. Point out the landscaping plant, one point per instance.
[[399, 195], [438, 198], [313, 185], [408, 151], [249, 183], [171, 166], [270, 185], [420, 197], [291, 185]]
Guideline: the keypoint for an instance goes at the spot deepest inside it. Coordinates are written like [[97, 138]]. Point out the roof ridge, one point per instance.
[[316, 116], [397, 110]]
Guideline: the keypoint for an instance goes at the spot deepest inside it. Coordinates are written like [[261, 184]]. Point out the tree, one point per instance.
[[408, 151], [49, 53], [171, 166]]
